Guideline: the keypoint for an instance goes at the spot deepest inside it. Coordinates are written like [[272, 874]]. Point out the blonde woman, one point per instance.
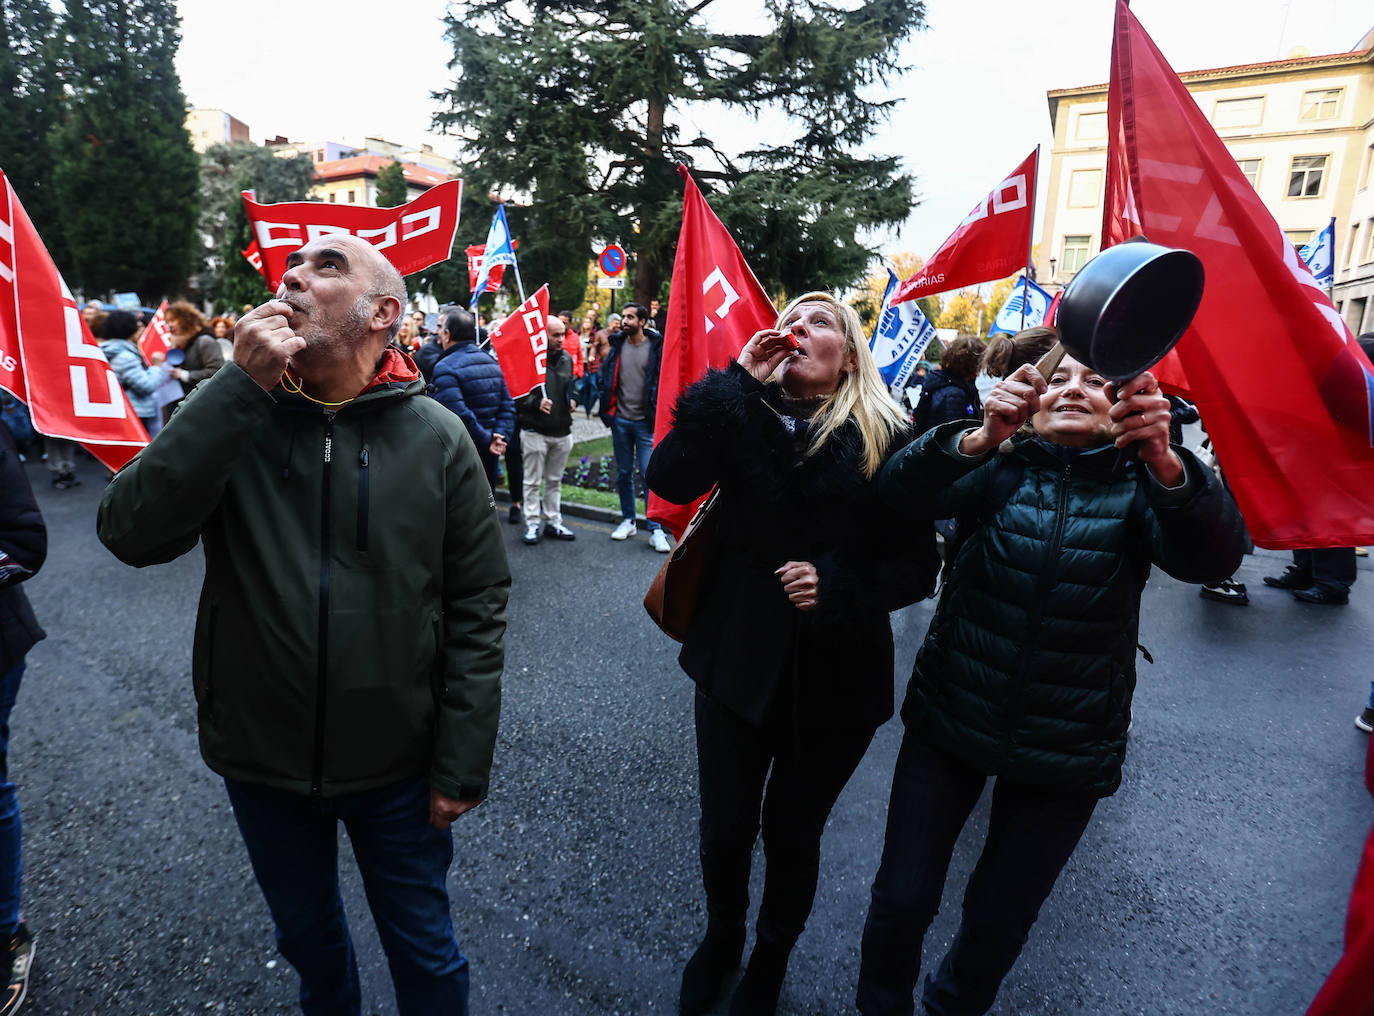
[[790, 649]]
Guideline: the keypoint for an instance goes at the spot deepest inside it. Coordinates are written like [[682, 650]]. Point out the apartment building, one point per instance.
[[1302, 131]]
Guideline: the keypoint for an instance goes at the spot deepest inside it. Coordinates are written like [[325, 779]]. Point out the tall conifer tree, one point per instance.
[[125, 174], [586, 105]]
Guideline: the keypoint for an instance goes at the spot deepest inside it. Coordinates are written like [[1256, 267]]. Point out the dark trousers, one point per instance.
[[1031, 834], [734, 759], [293, 846], [1331, 568], [515, 467]]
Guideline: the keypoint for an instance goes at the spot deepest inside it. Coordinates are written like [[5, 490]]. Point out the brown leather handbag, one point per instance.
[[672, 596]]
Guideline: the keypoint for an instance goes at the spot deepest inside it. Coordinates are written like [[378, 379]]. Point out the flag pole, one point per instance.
[[1030, 239]]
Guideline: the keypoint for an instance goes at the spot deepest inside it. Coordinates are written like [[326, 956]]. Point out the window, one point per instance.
[[1247, 112], [1368, 167], [1368, 255], [319, 155], [1321, 104], [1075, 254], [1305, 176], [1251, 168], [1298, 237], [351, 199], [1350, 244], [1085, 188], [1091, 127], [332, 196]]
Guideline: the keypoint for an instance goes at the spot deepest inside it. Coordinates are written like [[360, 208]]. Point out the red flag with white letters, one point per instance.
[[521, 343], [991, 243], [157, 337], [1284, 390], [716, 307], [48, 357], [412, 236]]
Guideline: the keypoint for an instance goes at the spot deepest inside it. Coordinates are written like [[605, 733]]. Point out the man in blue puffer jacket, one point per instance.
[[468, 382]]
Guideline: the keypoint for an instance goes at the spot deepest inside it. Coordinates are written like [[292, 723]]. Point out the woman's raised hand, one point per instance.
[[762, 354], [1012, 402]]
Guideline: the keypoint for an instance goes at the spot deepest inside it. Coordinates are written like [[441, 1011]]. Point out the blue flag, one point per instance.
[[899, 338], [1036, 302], [499, 252], [1318, 255]]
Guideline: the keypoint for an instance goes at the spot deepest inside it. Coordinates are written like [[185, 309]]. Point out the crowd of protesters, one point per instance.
[[1025, 677]]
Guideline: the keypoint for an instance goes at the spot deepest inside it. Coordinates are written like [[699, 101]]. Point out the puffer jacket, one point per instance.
[[138, 380], [747, 646], [945, 398], [351, 621], [468, 382], [23, 548], [1028, 668]]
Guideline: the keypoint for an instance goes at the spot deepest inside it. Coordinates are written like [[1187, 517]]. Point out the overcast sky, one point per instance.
[[974, 104]]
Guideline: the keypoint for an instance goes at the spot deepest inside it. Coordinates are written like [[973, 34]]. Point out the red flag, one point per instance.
[[991, 243], [521, 343], [157, 337], [48, 357], [253, 256], [412, 236], [474, 254], [717, 305], [1283, 389]]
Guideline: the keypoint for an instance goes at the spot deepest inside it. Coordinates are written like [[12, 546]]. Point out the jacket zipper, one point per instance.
[[364, 488], [321, 678], [1042, 588]]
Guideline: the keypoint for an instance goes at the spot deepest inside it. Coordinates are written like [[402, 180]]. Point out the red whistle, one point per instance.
[[791, 340]]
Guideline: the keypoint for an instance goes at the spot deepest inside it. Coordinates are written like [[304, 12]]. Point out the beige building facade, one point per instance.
[[213, 127], [1302, 131]]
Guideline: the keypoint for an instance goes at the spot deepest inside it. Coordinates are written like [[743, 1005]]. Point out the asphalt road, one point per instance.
[[1214, 882]]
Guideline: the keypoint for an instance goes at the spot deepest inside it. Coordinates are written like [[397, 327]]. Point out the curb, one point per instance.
[[581, 511]]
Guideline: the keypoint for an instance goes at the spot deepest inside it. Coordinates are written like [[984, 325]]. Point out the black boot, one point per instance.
[[704, 976], [759, 988]]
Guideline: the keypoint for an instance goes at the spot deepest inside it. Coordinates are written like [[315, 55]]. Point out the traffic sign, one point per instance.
[[612, 261], [604, 283]]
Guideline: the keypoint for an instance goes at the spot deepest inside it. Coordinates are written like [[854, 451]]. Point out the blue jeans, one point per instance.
[[11, 826], [292, 843], [633, 443], [1032, 833]]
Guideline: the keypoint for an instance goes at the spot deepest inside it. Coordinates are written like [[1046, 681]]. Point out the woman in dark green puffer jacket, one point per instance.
[[1028, 668]]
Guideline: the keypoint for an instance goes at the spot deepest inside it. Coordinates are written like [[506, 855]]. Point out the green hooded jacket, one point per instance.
[[352, 620]]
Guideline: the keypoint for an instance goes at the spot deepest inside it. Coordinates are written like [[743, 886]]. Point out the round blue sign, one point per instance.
[[612, 259]]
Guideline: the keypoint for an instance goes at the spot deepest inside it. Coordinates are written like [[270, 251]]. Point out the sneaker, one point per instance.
[[558, 531], [20, 964], [1229, 591], [1291, 578], [625, 530], [1359, 551], [658, 539], [1365, 721], [515, 517], [531, 534]]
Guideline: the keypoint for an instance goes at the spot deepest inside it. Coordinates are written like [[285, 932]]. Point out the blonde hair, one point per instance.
[[861, 394]]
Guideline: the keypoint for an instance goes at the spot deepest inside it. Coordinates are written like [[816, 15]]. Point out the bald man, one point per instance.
[[350, 639]]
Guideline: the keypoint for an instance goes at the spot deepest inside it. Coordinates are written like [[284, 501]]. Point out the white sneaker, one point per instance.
[[531, 533], [659, 541], [625, 530]]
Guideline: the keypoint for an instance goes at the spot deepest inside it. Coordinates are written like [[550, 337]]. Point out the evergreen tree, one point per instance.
[[391, 185], [125, 175], [584, 106], [226, 171], [31, 107]]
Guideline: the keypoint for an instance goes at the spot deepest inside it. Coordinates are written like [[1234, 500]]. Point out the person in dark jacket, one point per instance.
[[468, 382], [23, 547], [790, 646], [949, 392], [629, 404], [1028, 668], [545, 417], [350, 639], [138, 379]]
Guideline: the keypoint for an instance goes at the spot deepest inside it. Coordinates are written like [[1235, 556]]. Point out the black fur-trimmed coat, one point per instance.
[[747, 644]]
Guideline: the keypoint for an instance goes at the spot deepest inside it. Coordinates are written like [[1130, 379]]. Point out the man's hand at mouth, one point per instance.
[[264, 342]]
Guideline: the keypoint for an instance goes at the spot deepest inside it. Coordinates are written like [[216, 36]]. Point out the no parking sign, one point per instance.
[[612, 259]]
